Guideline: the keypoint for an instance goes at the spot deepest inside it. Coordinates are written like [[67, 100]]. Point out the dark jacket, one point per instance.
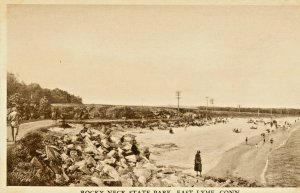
[[135, 150], [198, 164]]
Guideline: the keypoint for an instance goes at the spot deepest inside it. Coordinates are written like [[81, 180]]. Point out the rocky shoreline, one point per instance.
[[91, 156]]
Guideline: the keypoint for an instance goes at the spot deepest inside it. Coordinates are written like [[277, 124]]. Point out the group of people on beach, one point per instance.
[[264, 141]]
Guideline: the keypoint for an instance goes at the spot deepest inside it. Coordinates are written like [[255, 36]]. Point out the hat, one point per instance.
[[198, 151], [79, 153]]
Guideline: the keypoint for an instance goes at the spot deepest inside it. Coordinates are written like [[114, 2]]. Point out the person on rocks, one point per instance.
[[74, 154], [198, 164], [14, 118], [85, 131], [122, 139], [134, 148], [147, 153]]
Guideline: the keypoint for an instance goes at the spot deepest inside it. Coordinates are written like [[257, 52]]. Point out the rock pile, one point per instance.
[[97, 157]]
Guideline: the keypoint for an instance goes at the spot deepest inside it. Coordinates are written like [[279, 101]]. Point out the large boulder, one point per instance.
[[105, 143], [36, 163], [210, 183], [74, 138], [142, 172], [126, 180], [64, 157], [111, 171], [154, 182], [168, 171], [112, 182], [70, 146], [110, 161], [123, 163], [97, 181], [142, 180], [91, 149], [120, 152], [112, 153], [99, 167], [131, 158], [100, 150], [82, 166], [115, 139], [90, 161], [150, 166], [99, 157], [73, 167], [127, 147]]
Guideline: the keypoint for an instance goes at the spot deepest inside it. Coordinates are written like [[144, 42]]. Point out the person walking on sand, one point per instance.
[[246, 140], [14, 118], [198, 164]]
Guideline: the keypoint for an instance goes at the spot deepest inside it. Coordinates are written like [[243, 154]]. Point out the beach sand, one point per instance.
[[250, 162], [224, 153], [211, 140]]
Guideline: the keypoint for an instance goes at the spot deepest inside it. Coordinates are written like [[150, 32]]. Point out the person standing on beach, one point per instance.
[[198, 164], [14, 117], [246, 140]]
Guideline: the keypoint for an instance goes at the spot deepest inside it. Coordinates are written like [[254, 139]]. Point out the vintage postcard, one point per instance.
[[150, 97]]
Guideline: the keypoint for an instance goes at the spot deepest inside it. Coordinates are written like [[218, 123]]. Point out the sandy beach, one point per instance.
[[249, 161], [224, 153]]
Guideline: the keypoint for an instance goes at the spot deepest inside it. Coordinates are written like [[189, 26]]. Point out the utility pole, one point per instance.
[[212, 104], [178, 96], [271, 112], [206, 105]]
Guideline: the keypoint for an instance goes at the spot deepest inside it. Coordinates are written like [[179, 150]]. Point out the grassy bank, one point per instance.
[[283, 167]]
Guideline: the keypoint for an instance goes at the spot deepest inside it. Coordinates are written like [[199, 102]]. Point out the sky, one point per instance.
[[141, 55]]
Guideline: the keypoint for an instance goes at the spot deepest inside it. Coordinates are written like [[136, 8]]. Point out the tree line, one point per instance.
[[278, 111], [33, 101]]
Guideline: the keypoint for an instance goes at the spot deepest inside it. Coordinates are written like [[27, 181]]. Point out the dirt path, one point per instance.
[[247, 160], [27, 127]]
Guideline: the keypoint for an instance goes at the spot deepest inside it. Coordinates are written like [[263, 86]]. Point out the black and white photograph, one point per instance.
[[154, 95]]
